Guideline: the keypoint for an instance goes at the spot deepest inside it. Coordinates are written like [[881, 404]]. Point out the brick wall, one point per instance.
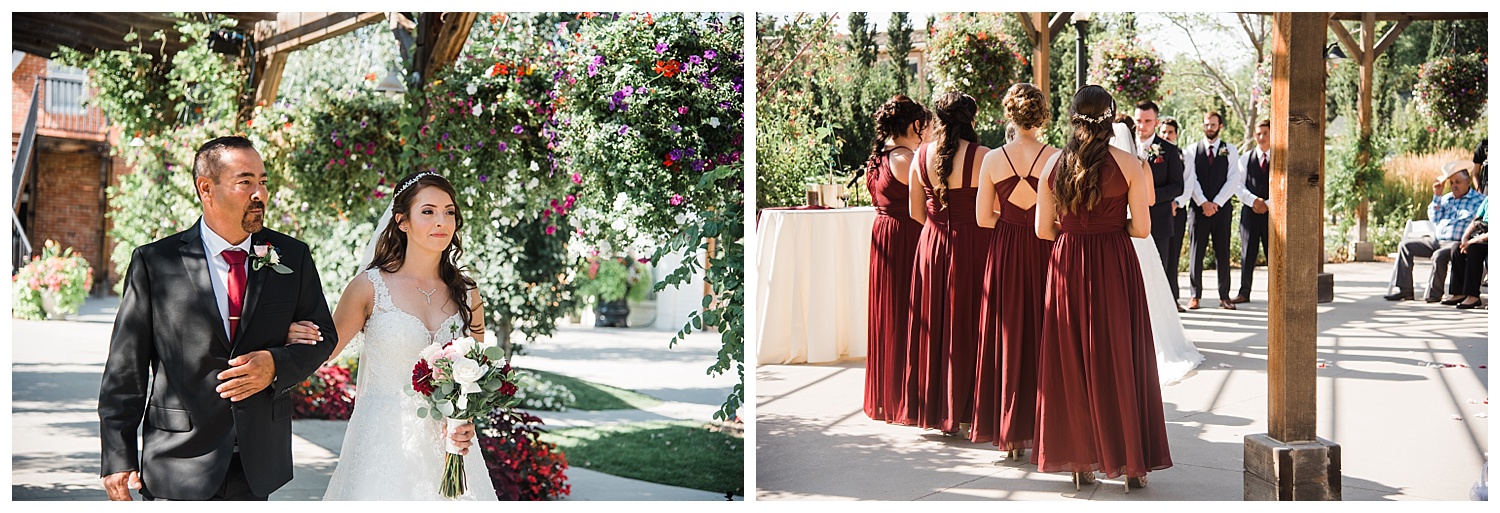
[[67, 205]]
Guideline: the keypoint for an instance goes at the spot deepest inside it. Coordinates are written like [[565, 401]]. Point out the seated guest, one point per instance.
[[1469, 261], [1450, 212]]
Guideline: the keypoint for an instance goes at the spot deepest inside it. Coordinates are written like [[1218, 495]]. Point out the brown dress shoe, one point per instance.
[[1240, 299], [1180, 309], [1226, 304], [1193, 304]]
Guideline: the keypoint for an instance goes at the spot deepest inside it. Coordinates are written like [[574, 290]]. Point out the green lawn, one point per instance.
[[594, 396], [685, 453]]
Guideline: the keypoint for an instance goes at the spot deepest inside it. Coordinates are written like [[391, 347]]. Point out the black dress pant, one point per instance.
[[1161, 234], [1174, 249], [1253, 240], [235, 487], [1200, 231], [1468, 270]]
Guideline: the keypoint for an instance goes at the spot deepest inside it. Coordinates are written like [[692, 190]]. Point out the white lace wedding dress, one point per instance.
[[389, 453], [1175, 353]]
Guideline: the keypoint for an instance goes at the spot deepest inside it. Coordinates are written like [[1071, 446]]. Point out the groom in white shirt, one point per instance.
[[1215, 175]]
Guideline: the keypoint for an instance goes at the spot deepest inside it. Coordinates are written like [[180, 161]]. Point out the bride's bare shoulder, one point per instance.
[[359, 288]]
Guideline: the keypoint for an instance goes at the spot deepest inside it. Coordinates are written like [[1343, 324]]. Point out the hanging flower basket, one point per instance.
[[972, 55], [1453, 90], [1130, 70], [1260, 92], [52, 285]]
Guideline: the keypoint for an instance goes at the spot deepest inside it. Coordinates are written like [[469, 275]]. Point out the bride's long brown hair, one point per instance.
[[390, 248]]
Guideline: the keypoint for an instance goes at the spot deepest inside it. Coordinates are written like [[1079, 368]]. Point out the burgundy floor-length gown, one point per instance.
[[1010, 321], [945, 285], [893, 248], [1099, 403]]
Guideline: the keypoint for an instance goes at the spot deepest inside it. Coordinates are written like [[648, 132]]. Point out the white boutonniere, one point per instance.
[[1155, 153], [267, 255], [1223, 151]]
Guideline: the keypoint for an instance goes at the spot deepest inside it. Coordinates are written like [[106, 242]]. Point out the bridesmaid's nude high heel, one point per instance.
[[1082, 478], [1134, 482]]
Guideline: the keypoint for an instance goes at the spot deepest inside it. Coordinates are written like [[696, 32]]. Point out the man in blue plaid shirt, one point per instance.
[[1452, 213]]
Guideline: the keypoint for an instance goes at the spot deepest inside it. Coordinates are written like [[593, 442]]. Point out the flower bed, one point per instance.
[[522, 467], [328, 394]]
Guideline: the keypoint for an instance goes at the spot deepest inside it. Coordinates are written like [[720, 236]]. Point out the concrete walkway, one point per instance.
[[56, 368], [1410, 427]]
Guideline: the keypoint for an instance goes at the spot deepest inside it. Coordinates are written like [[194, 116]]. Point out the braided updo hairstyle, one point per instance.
[[955, 120], [1026, 106], [1091, 117], [891, 121]]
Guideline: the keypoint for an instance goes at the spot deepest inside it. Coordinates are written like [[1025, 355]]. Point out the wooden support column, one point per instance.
[[1364, 52], [1040, 31], [1291, 462]]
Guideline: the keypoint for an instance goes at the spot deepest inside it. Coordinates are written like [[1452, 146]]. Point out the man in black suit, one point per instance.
[[203, 324], [1215, 169], [1166, 176], [1255, 198]]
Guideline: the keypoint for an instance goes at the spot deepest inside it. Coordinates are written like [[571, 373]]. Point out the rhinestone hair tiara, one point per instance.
[[412, 180], [1108, 114]]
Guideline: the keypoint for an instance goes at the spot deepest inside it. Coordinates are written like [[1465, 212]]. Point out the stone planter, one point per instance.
[[612, 314], [49, 305]]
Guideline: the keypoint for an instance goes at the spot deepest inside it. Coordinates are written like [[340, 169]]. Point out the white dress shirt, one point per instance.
[[218, 269], [1143, 147], [1247, 198], [1232, 183]]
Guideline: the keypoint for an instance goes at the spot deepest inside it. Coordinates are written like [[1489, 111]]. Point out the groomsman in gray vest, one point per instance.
[[1215, 168], [1255, 201]]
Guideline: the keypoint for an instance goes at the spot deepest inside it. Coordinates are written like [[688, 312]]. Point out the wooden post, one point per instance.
[[1041, 58], [1291, 462], [1364, 250]]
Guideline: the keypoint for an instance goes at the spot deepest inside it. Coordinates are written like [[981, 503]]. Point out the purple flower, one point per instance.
[[695, 59], [593, 70], [501, 146], [661, 48], [484, 178], [624, 129], [675, 154], [710, 54], [628, 90], [599, 60], [676, 129], [517, 129], [697, 164]]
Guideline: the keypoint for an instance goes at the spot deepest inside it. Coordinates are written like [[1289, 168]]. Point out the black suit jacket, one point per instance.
[[1166, 175], [169, 337]]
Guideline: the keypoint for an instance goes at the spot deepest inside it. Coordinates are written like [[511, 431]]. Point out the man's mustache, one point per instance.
[[256, 205]]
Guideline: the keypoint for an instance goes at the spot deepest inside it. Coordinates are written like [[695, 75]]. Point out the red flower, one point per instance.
[[508, 389], [421, 378]]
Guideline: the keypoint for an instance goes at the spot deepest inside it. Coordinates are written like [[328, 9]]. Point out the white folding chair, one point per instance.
[[1415, 230]]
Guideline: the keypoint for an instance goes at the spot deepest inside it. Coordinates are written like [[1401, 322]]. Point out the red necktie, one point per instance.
[[236, 258], [1265, 163]]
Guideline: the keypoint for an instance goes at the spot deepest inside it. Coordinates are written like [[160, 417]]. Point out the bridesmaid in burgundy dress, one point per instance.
[[893, 247], [1099, 404], [1015, 279], [946, 277]]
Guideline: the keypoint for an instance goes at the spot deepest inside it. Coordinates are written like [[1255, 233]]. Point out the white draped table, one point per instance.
[[813, 284]]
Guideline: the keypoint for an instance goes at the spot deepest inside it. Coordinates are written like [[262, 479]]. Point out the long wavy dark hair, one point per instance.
[[891, 121], [1077, 184], [390, 248], [955, 120]]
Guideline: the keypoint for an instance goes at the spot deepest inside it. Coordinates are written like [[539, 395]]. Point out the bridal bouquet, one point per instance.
[[461, 380]]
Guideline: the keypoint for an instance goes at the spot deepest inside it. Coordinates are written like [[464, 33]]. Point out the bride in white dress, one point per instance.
[[410, 294], [1175, 353]]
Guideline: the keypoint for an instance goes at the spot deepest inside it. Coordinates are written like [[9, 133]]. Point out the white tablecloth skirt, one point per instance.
[[813, 284]]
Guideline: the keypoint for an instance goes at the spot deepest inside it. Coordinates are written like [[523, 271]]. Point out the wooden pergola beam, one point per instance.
[[1353, 49], [450, 40], [1390, 37], [293, 31], [1408, 16], [1031, 32], [1059, 22]]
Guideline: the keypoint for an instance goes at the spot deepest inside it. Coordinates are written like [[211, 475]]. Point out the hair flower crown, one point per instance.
[[1107, 114], [412, 180]]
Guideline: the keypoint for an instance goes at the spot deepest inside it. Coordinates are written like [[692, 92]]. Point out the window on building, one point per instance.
[[67, 88]]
